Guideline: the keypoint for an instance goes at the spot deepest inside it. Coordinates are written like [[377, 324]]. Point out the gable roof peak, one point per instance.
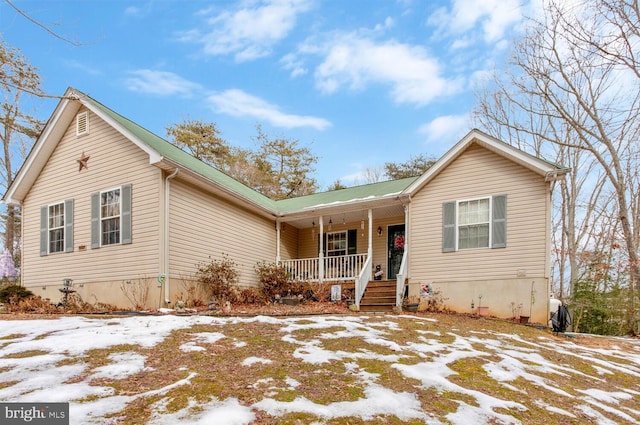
[[497, 146]]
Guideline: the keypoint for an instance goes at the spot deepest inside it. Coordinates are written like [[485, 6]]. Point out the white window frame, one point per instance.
[[61, 227], [344, 251], [489, 223], [103, 219]]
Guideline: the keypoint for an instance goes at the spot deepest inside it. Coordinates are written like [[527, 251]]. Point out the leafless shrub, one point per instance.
[[137, 291]]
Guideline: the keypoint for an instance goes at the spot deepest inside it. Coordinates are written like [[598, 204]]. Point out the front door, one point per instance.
[[395, 249]]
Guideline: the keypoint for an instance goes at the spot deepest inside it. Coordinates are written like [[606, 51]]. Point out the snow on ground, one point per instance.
[[36, 365]]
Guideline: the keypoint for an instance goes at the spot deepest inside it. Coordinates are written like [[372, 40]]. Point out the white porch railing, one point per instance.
[[361, 283], [401, 276], [342, 267]]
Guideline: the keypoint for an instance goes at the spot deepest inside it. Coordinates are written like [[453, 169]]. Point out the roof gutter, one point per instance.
[[555, 175], [342, 206]]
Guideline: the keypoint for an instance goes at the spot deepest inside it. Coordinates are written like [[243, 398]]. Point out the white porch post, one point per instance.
[[370, 242], [321, 253], [278, 241]]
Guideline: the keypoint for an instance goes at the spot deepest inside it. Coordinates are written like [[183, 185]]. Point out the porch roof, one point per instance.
[[367, 192]]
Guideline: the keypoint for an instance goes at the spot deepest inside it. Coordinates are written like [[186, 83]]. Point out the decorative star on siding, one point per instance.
[[84, 159]]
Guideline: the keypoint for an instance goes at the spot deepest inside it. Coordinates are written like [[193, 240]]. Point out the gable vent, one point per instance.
[[82, 124]]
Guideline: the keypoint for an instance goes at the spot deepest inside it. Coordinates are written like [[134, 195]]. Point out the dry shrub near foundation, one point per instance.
[[250, 296], [220, 277], [38, 305], [275, 280], [320, 291], [194, 293], [137, 291]]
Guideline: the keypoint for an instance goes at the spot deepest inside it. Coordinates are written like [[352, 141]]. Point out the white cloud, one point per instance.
[[161, 83], [292, 63], [132, 11], [239, 103], [446, 128], [140, 10], [356, 61], [492, 17], [250, 31], [388, 23]]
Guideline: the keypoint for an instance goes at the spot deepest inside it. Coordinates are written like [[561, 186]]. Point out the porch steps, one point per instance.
[[380, 296]]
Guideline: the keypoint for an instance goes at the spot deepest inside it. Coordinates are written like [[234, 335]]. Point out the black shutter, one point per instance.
[[352, 241]]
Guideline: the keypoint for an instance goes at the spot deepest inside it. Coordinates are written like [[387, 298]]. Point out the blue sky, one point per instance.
[[360, 82]]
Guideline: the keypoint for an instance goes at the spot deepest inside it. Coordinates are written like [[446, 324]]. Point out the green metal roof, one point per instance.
[[177, 155], [364, 192], [182, 158]]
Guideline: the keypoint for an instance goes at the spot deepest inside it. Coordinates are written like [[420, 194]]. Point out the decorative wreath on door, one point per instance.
[[399, 242]]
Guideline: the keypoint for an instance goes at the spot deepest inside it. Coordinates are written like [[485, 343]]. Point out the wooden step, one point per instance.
[[376, 308], [380, 296]]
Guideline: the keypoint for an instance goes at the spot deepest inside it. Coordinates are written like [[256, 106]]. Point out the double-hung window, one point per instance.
[[56, 228], [336, 244], [111, 217], [474, 223]]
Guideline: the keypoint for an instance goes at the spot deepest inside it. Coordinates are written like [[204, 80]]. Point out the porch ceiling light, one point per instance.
[[330, 223], [379, 231]]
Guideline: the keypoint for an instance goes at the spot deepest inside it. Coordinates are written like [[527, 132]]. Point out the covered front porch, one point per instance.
[[351, 248]]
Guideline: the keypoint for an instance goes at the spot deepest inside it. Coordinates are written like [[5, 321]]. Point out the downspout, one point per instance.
[[167, 191], [551, 177]]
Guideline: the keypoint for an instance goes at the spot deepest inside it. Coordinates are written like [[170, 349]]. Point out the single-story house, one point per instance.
[[106, 203]]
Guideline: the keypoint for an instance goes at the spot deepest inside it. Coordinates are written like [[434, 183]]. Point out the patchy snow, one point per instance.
[[124, 365], [46, 360], [253, 360], [227, 412]]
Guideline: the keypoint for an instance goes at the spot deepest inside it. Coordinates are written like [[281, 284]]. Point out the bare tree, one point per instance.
[[17, 129], [573, 90], [374, 174]]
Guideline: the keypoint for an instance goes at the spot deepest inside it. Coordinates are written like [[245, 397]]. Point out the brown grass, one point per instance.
[[221, 375]]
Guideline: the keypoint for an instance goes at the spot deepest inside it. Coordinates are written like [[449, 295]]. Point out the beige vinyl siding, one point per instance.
[[202, 226], [114, 161], [481, 173], [289, 242]]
